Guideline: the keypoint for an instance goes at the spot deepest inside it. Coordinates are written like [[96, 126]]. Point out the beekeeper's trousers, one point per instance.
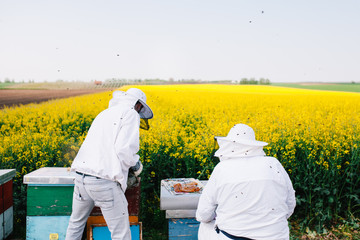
[[90, 191]]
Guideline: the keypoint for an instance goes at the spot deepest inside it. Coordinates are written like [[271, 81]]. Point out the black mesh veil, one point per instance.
[[144, 124]]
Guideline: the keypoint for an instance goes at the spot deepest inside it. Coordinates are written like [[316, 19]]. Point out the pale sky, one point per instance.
[[84, 40]]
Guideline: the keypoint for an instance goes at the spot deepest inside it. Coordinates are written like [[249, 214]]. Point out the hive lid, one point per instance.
[[169, 201], [6, 175], [50, 175]]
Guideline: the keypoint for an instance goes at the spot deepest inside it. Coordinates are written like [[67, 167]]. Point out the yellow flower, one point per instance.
[[322, 125]]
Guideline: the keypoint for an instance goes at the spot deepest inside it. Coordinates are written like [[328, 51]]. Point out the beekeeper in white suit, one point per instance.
[[103, 162], [248, 195]]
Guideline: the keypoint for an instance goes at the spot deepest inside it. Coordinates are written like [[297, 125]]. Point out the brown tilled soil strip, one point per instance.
[[16, 97]]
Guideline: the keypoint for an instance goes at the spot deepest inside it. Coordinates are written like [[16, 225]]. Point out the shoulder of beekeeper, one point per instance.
[[250, 169], [228, 175]]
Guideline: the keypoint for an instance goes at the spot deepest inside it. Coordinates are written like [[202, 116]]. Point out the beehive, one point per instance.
[[6, 202], [49, 206], [180, 212]]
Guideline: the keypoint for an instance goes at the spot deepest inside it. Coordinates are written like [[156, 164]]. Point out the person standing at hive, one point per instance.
[[103, 162]]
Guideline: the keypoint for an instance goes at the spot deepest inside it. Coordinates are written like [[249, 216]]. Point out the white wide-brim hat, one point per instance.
[[145, 112], [241, 133]]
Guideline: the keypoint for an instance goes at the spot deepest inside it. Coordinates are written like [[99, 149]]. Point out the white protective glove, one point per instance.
[[137, 168]]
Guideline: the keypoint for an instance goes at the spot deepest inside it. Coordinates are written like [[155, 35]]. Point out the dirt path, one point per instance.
[[10, 97]]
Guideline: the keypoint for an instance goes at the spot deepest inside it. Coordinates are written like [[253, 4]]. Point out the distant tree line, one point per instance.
[[151, 81], [253, 81], [7, 80], [116, 82]]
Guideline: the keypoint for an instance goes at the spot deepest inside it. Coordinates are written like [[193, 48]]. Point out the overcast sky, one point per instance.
[[282, 40]]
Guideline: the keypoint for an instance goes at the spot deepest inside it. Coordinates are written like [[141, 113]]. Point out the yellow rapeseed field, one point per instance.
[[187, 117], [315, 134]]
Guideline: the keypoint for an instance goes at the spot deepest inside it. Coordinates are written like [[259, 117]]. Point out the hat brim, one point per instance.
[[145, 112], [245, 142]]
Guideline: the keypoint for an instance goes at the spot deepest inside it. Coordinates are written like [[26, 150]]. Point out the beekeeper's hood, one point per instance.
[[240, 142], [131, 96]]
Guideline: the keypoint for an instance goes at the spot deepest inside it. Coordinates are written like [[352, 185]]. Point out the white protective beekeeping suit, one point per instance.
[[248, 194], [103, 162]]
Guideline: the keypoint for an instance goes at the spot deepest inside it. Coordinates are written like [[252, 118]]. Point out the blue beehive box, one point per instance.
[[102, 232], [183, 228]]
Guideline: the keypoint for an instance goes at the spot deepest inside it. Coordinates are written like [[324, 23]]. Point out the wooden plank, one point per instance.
[[8, 195], [100, 221], [8, 221], [40, 227], [6, 175], [101, 231], [57, 200], [183, 228], [49, 200], [133, 197], [2, 226], [1, 199]]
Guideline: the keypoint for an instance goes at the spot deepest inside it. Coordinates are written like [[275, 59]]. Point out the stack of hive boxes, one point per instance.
[[49, 206], [6, 202], [180, 210]]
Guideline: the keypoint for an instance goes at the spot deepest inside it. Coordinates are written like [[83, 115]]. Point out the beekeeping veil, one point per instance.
[[240, 142], [138, 96]]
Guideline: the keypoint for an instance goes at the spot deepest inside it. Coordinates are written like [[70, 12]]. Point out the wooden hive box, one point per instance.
[[6, 202], [49, 204]]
